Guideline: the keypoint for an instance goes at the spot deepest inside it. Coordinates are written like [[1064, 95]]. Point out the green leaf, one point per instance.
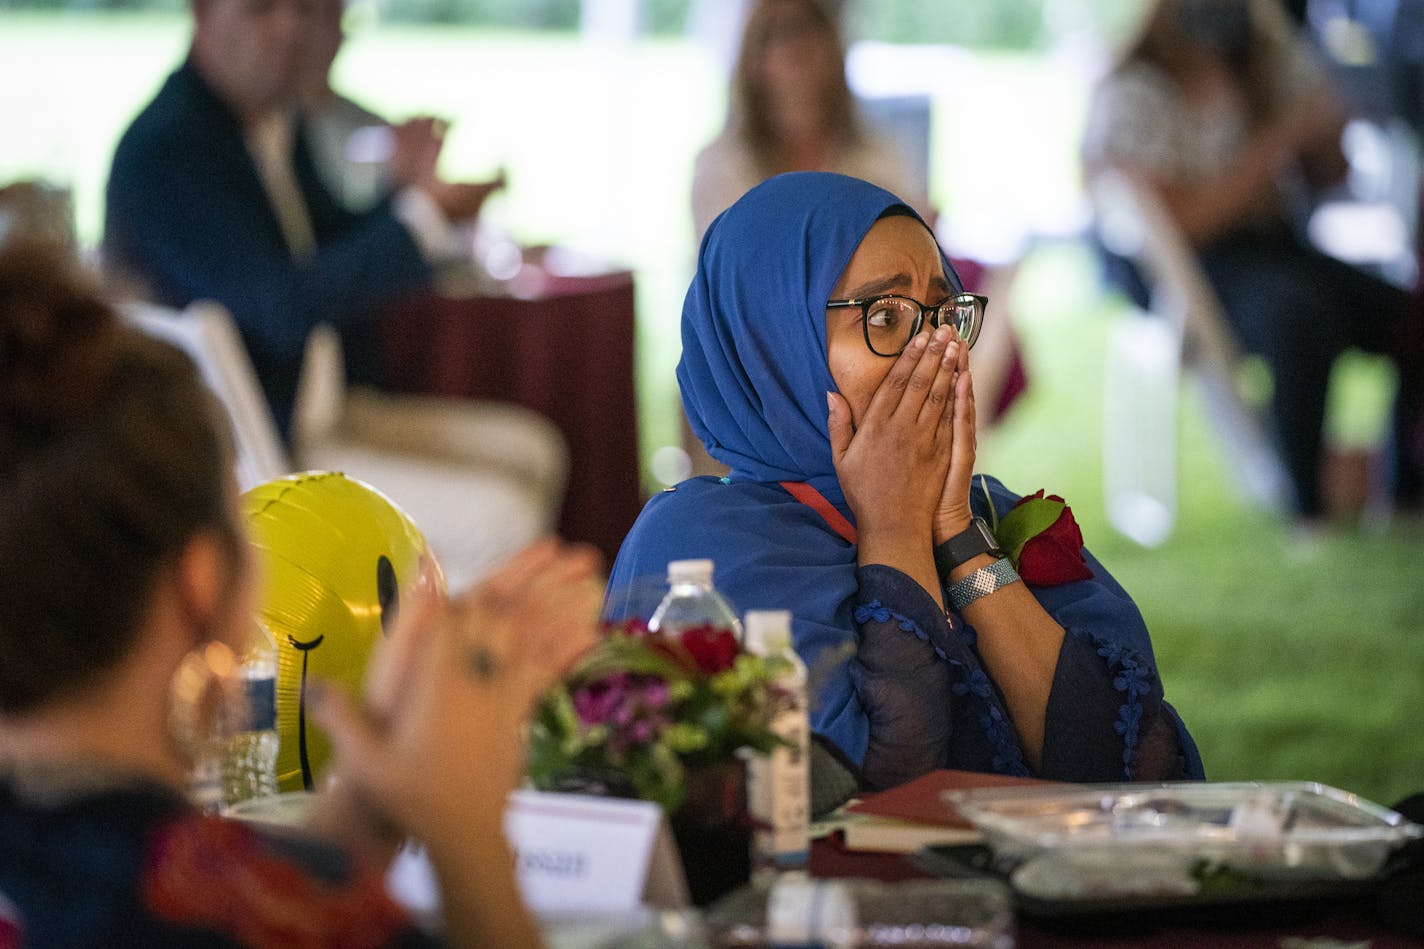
[[685, 738], [1026, 522]]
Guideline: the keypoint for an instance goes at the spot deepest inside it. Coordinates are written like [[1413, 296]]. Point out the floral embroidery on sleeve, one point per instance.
[[1133, 677], [971, 681], [876, 612], [211, 873], [1008, 757]]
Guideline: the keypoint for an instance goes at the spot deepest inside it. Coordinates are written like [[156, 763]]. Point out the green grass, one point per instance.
[[1286, 661]]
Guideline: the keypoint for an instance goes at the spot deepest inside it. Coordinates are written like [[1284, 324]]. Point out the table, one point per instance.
[[562, 345], [1349, 921]]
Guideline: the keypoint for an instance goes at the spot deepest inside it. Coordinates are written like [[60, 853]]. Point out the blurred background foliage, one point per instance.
[[1004, 24]]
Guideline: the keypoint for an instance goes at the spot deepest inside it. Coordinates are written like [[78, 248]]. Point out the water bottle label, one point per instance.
[[261, 696], [779, 795]]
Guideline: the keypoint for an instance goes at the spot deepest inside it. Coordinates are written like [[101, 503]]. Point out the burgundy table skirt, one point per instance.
[[565, 350]]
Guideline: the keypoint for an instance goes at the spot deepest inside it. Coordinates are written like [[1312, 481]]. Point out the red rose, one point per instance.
[[713, 650], [636, 627], [1055, 554]]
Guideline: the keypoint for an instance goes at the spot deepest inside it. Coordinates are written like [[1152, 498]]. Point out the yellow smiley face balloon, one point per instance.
[[337, 557]]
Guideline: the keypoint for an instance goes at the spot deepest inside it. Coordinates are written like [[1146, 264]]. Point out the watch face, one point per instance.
[[986, 536], [974, 540]]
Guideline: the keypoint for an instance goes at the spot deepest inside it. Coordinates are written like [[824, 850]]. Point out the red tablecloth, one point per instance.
[[1347, 921], [565, 349]]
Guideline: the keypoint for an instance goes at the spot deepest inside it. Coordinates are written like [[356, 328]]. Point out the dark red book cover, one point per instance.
[[921, 800]]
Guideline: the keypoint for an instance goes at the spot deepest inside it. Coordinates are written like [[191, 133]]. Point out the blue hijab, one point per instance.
[[753, 373], [754, 380]]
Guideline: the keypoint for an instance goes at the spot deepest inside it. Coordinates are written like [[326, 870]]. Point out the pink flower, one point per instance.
[[598, 701], [633, 707]]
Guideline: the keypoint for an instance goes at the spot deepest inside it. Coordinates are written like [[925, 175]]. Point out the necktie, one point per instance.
[[270, 142]]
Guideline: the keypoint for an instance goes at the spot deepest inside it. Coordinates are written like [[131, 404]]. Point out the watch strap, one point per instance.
[[969, 543], [981, 583]]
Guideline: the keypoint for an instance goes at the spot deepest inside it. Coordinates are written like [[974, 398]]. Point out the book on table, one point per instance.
[[914, 815]]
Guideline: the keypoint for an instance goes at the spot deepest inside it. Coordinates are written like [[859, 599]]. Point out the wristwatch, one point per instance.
[[969, 543]]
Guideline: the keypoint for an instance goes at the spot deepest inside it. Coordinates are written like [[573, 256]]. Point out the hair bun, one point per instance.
[[58, 340]]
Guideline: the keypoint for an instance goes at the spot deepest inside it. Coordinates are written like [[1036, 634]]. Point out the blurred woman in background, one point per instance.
[[1220, 108], [791, 109]]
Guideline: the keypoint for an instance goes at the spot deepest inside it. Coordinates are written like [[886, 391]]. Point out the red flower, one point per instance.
[[636, 627], [1055, 554], [712, 649]]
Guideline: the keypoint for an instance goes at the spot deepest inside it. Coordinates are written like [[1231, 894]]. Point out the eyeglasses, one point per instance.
[[891, 321]]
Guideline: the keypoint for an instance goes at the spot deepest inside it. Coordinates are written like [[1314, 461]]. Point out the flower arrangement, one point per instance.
[[1041, 538], [643, 709]]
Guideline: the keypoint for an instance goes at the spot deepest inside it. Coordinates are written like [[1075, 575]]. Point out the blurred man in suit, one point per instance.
[[213, 193]]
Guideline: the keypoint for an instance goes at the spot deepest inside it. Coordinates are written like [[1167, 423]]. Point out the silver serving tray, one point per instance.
[[1180, 839]]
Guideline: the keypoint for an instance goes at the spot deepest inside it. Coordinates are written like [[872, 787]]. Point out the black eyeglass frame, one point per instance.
[[980, 301]]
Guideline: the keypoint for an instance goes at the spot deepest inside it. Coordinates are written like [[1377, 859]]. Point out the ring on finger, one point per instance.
[[481, 664]]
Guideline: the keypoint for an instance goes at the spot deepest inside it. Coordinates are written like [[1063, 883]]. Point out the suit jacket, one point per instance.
[[188, 216]]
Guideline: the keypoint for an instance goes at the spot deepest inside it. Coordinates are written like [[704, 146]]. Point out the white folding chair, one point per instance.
[[473, 515], [206, 333], [1185, 326], [332, 420]]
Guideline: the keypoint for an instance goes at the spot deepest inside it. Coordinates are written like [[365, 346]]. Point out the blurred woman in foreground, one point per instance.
[[128, 574]]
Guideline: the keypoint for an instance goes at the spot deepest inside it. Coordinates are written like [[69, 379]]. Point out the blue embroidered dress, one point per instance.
[[900, 686]]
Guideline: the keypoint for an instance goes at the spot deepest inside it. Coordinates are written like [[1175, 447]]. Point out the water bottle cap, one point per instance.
[[690, 571], [767, 630]]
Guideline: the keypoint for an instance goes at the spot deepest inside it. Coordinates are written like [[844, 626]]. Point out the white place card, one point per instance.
[[580, 854], [577, 855]]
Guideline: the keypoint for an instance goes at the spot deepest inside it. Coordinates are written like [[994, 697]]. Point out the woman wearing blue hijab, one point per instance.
[[821, 363]]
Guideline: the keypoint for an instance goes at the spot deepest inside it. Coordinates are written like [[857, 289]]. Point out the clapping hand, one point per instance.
[[415, 151], [414, 161], [461, 201], [438, 743]]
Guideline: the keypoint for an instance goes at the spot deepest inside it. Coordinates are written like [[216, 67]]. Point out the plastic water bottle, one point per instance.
[[779, 784], [249, 767], [692, 601]]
